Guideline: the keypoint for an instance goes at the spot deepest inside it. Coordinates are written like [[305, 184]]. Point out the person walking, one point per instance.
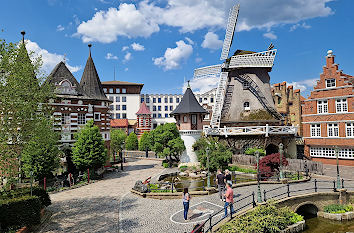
[[220, 181], [229, 195], [186, 197], [228, 177]]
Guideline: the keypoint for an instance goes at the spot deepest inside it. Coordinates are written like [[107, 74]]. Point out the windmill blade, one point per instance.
[[207, 71], [230, 30]]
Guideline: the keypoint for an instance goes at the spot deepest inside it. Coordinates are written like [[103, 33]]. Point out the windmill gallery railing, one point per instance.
[[261, 59], [280, 192], [251, 130]]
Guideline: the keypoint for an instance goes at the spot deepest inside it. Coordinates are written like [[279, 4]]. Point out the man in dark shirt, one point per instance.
[[220, 181]]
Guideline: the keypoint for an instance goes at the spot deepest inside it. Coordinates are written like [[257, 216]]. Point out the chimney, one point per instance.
[[329, 58]]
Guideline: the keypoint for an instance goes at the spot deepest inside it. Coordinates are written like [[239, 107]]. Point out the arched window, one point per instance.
[[185, 119], [246, 106]]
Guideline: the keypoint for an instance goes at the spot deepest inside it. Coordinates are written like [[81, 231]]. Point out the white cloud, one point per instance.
[[126, 69], [125, 48], [211, 41], [127, 57], [76, 20], [190, 41], [198, 60], [304, 85], [138, 47], [50, 60], [174, 56], [110, 56], [299, 25], [270, 35], [60, 28], [106, 26], [202, 85]]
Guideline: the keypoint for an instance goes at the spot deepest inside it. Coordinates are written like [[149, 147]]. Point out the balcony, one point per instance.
[[262, 59]]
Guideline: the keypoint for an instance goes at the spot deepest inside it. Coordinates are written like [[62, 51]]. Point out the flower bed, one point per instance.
[[337, 212]]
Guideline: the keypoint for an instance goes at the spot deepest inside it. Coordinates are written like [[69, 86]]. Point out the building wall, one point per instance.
[[320, 146]]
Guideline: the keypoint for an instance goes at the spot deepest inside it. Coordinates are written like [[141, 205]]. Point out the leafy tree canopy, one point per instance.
[[131, 143], [117, 140], [252, 151], [145, 142]]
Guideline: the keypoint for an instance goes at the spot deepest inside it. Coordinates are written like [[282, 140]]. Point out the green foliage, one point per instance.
[[167, 142], [264, 218], [131, 143], [20, 211], [183, 168], [154, 188], [240, 169], [145, 142], [219, 153], [23, 100], [165, 165], [337, 208], [36, 191], [88, 150], [252, 151], [41, 154], [117, 140], [256, 115]]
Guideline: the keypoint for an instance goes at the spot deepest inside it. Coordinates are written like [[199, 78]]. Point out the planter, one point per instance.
[[297, 227], [337, 217]]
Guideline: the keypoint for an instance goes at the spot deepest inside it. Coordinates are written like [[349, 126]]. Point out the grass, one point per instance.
[[244, 170]]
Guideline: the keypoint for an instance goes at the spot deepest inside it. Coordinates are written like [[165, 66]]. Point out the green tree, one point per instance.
[[41, 154], [145, 142], [219, 154], [131, 143], [252, 151], [167, 142], [89, 150], [23, 98], [117, 140]]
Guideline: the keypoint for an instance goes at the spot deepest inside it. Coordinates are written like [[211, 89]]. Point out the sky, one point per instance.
[[161, 42]]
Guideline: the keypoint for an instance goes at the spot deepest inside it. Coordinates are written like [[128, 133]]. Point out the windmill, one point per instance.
[[248, 60]]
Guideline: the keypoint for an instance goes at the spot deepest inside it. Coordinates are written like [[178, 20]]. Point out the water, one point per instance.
[[323, 225]]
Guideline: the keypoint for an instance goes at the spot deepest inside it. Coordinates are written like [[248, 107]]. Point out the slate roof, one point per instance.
[[143, 110], [188, 104], [90, 82], [122, 83]]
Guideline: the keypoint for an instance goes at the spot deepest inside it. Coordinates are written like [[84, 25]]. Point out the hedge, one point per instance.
[[19, 212], [36, 191]]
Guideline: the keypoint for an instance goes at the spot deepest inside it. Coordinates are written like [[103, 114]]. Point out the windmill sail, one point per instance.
[[230, 30], [207, 71]]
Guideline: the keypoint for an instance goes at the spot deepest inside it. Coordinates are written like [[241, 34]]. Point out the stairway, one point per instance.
[[220, 95], [256, 91], [227, 101]]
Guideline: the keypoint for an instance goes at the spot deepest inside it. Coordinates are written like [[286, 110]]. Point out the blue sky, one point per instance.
[[160, 43]]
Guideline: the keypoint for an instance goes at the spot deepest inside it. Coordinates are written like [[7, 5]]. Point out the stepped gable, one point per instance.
[[143, 110], [189, 104], [59, 74], [90, 82]]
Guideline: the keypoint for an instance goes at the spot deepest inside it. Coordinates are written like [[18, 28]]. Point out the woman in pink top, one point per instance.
[[229, 195]]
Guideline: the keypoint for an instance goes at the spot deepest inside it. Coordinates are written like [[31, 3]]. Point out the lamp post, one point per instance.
[[281, 151], [259, 194], [122, 157], [339, 186], [207, 154]]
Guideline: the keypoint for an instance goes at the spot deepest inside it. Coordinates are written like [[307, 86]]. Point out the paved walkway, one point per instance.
[[346, 172], [94, 207]]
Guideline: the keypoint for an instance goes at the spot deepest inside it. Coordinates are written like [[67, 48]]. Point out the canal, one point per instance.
[[322, 225]]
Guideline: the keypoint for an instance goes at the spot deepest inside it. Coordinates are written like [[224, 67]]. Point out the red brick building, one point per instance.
[[328, 116], [143, 120]]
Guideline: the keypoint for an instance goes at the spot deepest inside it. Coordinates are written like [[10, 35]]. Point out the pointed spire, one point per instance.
[[89, 45], [188, 104], [188, 86], [23, 33]]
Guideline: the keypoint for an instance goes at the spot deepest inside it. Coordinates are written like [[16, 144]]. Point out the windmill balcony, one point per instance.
[[261, 59], [190, 132], [251, 130]]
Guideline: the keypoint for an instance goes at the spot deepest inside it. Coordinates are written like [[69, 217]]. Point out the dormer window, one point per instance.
[[246, 85], [330, 83], [246, 106]]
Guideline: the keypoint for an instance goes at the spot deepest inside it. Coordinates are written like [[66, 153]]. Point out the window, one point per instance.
[[154, 100], [322, 106], [185, 119], [124, 99], [159, 108], [332, 130], [349, 129], [117, 90], [171, 108], [166, 100], [124, 107], [171, 100], [154, 115], [315, 130], [65, 118], [97, 116], [142, 100], [111, 107], [194, 119], [117, 107], [105, 90], [279, 100], [111, 90], [81, 120], [159, 116], [147, 100], [330, 152], [159, 100], [153, 108], [200, 100], [111, 98], [330, 82], [166, 108], [124, 90], [246, 106], [177, 100], [124, 116], [245, 85], [341, 105], [118, 99], [118, 116], [166, 115], [211, 100]]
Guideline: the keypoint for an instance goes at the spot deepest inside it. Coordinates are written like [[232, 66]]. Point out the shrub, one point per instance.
[[337, 209], [183, 168], [252, 151], [154, 188], [270, 164], [36, 191], [240, 169], [165, 165], [264, 218], [20, 211]]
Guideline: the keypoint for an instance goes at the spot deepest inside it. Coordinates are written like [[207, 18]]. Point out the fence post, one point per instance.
[[298, 175], [88, 175], [70, 179], [343, 183], [230, 204], [45, 183], [334, 186], [264, 193], [315, 185], [172, 187], [235, 178], [253, 200], [288, 186], [210, 226]]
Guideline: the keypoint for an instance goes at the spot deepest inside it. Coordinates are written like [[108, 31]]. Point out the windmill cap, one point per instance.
[[330, 52]]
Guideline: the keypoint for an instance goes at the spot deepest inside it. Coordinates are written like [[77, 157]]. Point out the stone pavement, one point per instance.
[[94, 207], [346, 172]]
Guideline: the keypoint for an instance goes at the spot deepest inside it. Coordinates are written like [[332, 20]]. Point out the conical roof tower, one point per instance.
[[90, 82]]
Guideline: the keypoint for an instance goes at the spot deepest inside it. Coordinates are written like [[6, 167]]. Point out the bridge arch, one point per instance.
[[307, 209]]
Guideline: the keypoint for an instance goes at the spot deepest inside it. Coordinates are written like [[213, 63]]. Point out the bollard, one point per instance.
[[210, 227], [172, 187], [298, 175], [288, 186], [315, 185], [230, 210], [334, 186], [45, 183], [253, 200], [342, 183], [264, 193], [88, 175]]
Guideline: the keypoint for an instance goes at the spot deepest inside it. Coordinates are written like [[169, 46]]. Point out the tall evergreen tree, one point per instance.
[[145, 142], [131, 142], [117, 140]]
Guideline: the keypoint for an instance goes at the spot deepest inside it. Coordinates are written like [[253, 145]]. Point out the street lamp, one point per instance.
[[259, 194], [339, 186], [207, 154], [281, 151]]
